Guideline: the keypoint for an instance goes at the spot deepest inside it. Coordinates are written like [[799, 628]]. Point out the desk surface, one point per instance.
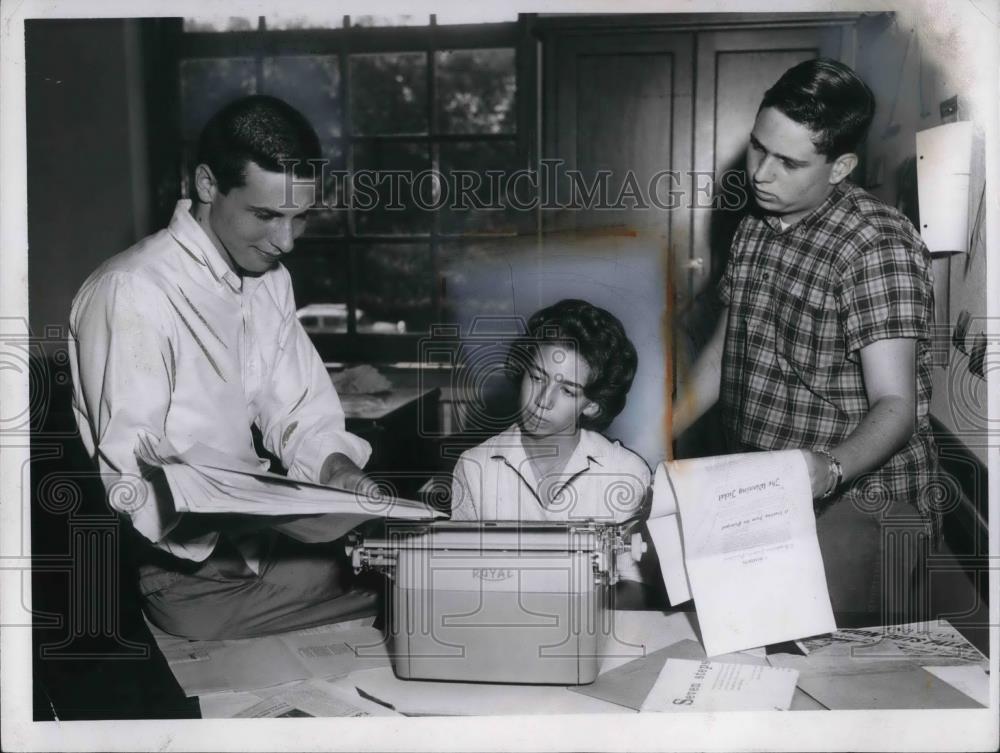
[[638, 634]]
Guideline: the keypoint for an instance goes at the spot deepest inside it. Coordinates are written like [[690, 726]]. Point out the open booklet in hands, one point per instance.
[[203, 480]]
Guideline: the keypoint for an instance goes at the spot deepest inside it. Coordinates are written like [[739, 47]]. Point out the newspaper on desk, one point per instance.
[[738, 533], [883, 649]]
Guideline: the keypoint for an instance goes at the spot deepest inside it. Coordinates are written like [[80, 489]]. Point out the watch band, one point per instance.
[[838, 472]]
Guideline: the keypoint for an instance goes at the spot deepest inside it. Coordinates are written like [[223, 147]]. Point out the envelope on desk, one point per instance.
[[903, 689]]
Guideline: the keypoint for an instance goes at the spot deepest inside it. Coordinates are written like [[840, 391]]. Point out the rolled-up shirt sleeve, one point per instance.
[[301, 417], [122, 362]]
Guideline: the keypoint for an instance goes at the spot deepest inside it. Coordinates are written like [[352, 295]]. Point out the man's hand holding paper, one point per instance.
[[341, 472], [203, 480]]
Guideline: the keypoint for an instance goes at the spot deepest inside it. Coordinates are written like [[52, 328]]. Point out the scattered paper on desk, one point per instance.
[[427, 698], [226, 705], [319, 698], [189, 651], [904, 688], [334, 654], [363, 379], [314, 698], [238, 665], [204, 480], [252, 664], [273, 708], [629, 684], [937, 639], [706, 686], [971, 679], [749, 547], [640, 633], [891, 648]]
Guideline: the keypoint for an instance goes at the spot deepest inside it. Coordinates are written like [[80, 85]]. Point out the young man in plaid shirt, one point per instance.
[[824, 341]]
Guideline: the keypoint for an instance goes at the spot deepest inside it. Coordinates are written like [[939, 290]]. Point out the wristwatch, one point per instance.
[[838, 473]]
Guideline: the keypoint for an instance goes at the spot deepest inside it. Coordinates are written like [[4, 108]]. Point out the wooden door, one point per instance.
[[734, 69], [620, 105]]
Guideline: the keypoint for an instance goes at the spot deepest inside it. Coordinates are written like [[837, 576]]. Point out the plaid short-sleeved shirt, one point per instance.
[[803, 302]]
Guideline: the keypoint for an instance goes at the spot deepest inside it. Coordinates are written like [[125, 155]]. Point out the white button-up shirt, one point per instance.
[[602, 481], [166, 341]]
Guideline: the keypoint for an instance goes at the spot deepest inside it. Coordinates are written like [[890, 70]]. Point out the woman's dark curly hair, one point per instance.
[[597, 336]]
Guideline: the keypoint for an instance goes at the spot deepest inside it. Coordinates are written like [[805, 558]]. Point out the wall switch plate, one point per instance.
[[949, 110]]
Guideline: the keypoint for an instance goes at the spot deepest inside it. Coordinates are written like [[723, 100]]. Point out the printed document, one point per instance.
[[748, 548], [692, 685], [629, 684]]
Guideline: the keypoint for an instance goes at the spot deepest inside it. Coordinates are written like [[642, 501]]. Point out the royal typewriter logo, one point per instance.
[[492, 573]]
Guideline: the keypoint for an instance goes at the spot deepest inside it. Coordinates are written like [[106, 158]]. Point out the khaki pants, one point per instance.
[[299, 586]]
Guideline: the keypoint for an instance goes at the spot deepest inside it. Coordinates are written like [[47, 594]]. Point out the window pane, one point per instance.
[[389, 93], [395, 20], [315, 19], [320, 274], [311, 84], [477, 277], [207, 84], [475, 91], [395, 288], [465, 167], [220, 23], [396, 209], [330, 218]]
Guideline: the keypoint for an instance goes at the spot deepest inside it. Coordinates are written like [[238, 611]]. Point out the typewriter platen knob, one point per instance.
[[638, 546]]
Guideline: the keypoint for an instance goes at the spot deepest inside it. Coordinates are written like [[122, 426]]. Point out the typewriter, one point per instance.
[[505, 602]]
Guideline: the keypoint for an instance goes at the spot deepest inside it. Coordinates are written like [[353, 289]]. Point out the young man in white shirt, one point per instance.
[[191, 335]]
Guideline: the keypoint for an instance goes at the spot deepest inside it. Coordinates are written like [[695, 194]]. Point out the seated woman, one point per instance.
[[575, 366]]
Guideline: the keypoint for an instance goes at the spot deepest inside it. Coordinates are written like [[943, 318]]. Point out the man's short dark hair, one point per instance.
[[260, 129], [599, 338], [830, 99]]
